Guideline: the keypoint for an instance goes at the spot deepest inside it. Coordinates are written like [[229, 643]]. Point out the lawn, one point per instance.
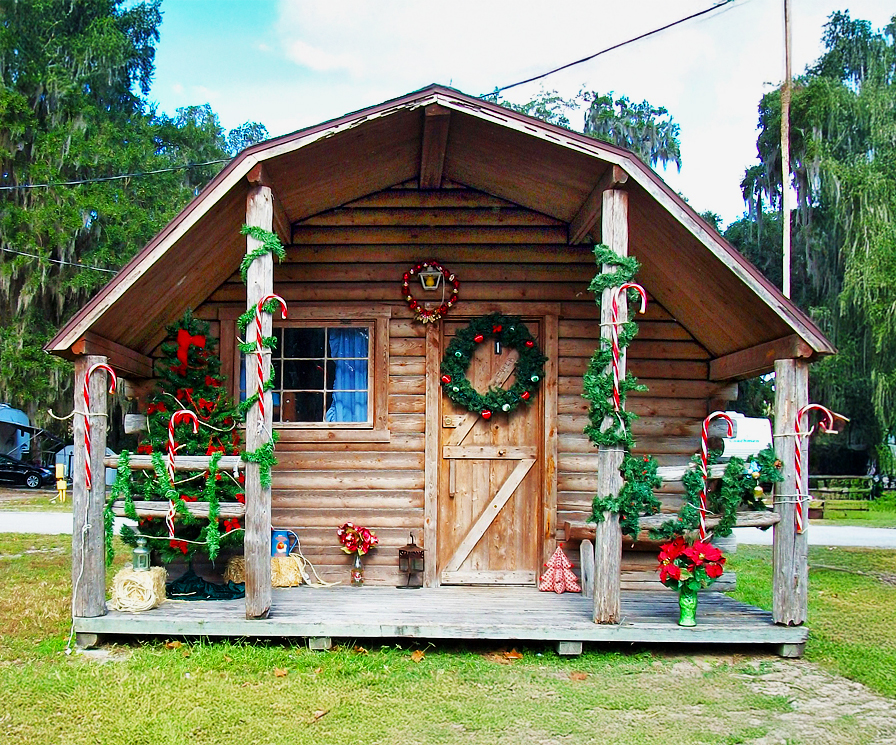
[[165, 691]]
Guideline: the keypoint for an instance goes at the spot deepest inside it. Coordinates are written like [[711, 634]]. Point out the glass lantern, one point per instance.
[[140, 560]]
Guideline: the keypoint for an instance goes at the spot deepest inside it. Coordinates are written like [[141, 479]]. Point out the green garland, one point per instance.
[[636, 496], [639, 473], [121, 489], [737, 490], [264, 456], [270, 244], [598, 382], [511, 332]]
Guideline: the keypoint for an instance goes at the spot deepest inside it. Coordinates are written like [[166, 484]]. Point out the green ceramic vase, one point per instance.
[[687, 604]]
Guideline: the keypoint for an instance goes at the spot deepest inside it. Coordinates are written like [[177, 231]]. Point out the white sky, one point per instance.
[[292, 63]]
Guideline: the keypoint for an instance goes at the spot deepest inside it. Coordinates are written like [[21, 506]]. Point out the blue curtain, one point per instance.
[[348, 349]]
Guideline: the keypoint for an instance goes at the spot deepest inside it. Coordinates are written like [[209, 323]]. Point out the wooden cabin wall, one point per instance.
[[507, 259]]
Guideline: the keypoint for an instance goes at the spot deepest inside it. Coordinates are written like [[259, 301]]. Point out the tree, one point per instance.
[[843, 161], [646, 130], [71, 79]]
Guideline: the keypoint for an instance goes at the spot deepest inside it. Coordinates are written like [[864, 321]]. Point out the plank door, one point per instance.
[[490, 480]]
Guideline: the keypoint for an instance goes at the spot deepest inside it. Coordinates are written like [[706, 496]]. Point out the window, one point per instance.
[[329, 375]]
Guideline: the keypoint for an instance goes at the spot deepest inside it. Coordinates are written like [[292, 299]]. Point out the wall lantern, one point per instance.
[[430, 278], [410, 562]]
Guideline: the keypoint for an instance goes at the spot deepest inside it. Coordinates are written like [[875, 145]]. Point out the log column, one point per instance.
[[257, 542], [608, 537], [790, 553], [88, 544]]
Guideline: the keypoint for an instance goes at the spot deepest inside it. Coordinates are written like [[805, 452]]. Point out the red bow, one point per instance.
[[184, 340]]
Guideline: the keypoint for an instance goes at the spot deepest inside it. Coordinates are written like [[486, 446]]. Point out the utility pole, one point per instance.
[[785, 151]]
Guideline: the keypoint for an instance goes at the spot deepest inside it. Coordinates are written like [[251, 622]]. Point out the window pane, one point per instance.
[[303, 342], [347, 375], [348, 342], [302, 407], [303, 374], [348, 407]]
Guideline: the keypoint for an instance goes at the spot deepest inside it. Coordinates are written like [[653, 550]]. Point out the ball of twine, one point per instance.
[[134, 592]]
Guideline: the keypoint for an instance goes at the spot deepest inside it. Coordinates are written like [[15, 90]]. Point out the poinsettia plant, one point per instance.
[[693, 566], [355, 539]]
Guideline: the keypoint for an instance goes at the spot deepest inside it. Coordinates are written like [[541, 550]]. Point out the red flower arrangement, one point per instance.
[[689, 567], [355, 539]]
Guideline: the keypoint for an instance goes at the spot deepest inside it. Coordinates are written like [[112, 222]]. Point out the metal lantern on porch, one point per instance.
[[411, 563]]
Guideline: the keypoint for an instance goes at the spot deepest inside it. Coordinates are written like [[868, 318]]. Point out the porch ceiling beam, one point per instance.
[[589, 213], [436, 121], [282, 224], [758, 360], [121, 358]]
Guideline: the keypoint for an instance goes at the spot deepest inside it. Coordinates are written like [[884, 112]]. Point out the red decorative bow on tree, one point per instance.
[[184, 341]]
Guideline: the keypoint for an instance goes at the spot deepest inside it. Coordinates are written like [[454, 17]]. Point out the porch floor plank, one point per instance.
[[497, 613]]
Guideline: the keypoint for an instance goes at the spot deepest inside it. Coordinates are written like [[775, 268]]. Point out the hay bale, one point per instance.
[[286, 571], [134, 592]]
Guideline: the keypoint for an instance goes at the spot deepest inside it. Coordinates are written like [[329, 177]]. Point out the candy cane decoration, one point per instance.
[[824, 425], [704, 457], [614, 334], [259, 346], [113, 380], [172, 449]]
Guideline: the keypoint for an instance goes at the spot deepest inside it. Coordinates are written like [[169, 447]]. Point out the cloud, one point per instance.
[[318, 59]]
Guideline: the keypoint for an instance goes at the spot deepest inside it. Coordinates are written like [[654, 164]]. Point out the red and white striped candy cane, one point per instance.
[[112, 382], [826, 424], [704, 457], [614, 333], [259, 344], [172, 449]]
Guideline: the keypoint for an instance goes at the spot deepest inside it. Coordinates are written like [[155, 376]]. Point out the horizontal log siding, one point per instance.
[[507, 259]]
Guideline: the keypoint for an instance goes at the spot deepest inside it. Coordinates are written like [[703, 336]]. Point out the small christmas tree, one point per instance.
[[559, 576], [190, 380]]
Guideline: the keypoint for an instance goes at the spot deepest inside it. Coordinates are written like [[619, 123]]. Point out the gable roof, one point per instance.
[[686, 265]]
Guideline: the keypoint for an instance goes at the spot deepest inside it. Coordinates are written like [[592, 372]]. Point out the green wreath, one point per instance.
[[511, 332]]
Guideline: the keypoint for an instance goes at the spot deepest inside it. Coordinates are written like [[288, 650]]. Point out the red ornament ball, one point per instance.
[[530, 343], [478, 338], [486, 414], [446, 379], [525, 395]]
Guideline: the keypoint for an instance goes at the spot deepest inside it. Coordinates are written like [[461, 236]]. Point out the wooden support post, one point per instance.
[[790, 552], [257, 541], [608, 537], [88, 544]]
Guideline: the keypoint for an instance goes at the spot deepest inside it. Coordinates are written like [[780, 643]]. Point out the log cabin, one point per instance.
[[512, 207]]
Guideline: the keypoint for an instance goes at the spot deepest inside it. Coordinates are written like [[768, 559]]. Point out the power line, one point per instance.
[[118, 177], [58, 261], [608, 49]]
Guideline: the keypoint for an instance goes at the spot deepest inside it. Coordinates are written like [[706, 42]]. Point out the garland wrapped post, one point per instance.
[[609, 422]]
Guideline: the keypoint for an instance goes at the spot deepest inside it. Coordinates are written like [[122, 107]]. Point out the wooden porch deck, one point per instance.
[[507, 613]]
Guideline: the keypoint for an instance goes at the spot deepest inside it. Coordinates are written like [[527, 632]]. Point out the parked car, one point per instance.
[[14, 471]]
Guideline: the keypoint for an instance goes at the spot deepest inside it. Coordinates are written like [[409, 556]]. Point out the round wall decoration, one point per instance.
[[509, 331], [429, 273]]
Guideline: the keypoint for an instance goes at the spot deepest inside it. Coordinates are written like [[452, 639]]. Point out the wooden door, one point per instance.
[[489, 523]]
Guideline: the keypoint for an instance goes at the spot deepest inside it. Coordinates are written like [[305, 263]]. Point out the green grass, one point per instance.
[[881, 513], [852, 596], [231, 691], [34, 500]]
